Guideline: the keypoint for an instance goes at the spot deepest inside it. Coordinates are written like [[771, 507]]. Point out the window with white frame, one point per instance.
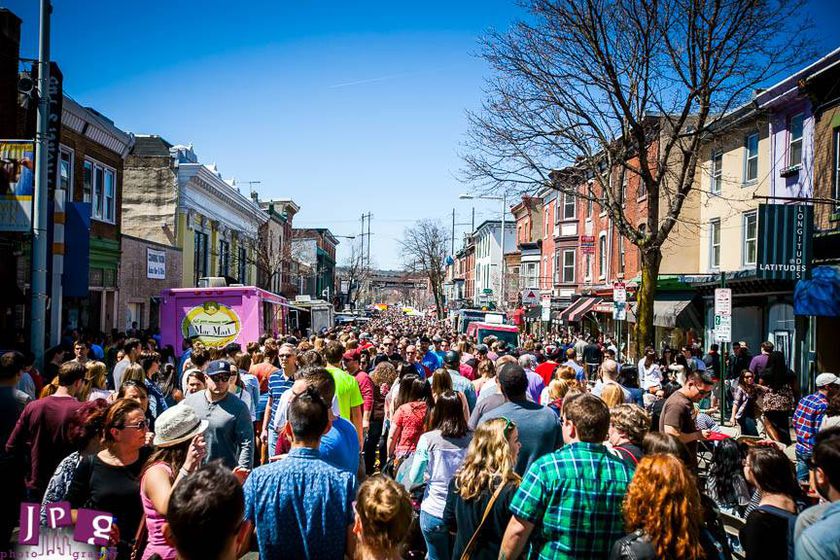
[[100, 182], [589, 206], [623, 194], [751, 158], [602, 255], [568, 266], [714, 243], [588, 266], [642, 189], [716, 172], [65, 172], [795, 127], [556, 275], [528, 275], [750, 237], [621, 254], [569, 206], [87, 183]]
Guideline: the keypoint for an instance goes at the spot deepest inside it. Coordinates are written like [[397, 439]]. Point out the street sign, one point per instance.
[[487, 291], [723, 315], [587, 244], [619, 292], [723, 301], [723, 328], [530, 296], [620, 310]]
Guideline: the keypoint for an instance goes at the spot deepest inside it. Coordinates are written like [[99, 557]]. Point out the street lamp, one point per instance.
[[503, 198]]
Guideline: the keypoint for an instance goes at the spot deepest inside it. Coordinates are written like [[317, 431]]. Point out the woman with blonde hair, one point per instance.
[[478, 503], [612, 395], [383, 516], [662, 511], [94, 386]]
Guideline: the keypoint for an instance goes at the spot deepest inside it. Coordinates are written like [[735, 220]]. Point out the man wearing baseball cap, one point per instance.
[[808, 417], [230, 435]]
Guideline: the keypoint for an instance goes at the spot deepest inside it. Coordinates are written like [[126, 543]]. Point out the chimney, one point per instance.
[[9, 55]]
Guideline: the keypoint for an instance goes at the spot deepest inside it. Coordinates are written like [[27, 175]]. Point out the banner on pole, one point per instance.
[[17, 184]]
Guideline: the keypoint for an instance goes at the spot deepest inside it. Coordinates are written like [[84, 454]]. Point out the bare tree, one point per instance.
[[589, 93], [424, 248]]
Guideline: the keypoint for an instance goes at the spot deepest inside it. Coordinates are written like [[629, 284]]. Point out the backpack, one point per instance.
[[791, 521]]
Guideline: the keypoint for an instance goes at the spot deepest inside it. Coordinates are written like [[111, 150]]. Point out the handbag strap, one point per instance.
[[487, 509]]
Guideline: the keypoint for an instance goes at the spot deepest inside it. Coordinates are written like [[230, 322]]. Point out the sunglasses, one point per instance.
[[141, 425], [509, 426], [220, 377]]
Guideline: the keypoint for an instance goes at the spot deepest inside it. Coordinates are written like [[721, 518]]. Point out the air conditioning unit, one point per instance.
[[212, 282]]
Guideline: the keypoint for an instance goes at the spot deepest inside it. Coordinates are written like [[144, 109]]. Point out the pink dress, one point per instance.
[[154, 524]]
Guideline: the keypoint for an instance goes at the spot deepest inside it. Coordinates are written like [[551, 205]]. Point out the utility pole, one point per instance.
[[39, 217], [452, 252]]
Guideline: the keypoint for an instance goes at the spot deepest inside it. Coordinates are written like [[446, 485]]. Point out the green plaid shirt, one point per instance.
[[573, 496]]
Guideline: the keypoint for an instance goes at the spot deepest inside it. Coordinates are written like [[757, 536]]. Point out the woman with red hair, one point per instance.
[[662, 512]]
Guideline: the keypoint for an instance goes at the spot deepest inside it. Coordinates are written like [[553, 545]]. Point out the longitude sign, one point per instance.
[[785, 233]]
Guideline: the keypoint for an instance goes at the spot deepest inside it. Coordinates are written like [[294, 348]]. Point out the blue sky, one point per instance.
[[345, 107]]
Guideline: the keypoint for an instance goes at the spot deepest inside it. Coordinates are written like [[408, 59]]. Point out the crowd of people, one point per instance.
[[405, 439]]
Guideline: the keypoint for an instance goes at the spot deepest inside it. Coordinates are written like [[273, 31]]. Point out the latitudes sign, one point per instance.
[[785, 232]]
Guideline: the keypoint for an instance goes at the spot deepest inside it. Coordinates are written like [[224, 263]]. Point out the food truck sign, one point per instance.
[[213, 323]]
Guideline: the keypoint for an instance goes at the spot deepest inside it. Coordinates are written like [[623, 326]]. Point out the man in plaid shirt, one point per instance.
[[572, 497], [808, 417]]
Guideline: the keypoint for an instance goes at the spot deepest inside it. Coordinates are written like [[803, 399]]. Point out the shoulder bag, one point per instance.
[[487, 510]]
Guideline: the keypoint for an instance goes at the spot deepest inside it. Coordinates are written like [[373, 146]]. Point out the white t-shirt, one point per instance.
[[283, 409], [649, 377]]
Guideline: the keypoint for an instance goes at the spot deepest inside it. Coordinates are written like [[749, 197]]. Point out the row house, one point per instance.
[[489, 260], [315, 248], [782, 148], [84, 205], [181, 222], [524, 263], [590, 253], [274, 251]]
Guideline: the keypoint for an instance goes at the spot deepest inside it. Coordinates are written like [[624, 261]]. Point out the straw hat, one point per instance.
[[177, 424]]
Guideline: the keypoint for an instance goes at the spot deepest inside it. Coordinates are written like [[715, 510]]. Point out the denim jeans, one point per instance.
[[802, 472], [436, 535], [748, 426]]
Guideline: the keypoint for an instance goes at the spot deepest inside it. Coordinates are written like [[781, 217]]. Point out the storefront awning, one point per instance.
[[819, 296], [673, 313], [579, 308]]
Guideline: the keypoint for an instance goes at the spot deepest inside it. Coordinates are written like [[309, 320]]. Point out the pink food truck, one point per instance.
[[217, 316]]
